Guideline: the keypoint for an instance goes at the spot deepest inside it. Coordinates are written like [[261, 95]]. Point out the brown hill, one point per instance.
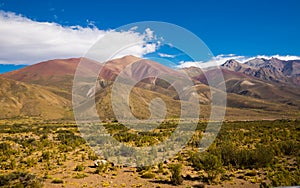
[[20, 99], [47, 73], [56, 75], [246, 92], [59, 73]]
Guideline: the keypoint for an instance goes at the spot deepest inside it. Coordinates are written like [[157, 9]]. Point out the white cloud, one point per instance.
[[24, 41], [166, 55], [217, 60], [220, 59], [185, 64], [285, 58], [149, 34]]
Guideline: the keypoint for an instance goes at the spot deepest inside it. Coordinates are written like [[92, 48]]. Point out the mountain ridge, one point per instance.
[[274, 70], [246, 89]]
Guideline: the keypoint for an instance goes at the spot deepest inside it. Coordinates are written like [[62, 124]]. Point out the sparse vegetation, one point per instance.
[[148, 175], [57, 181], [101, 168], [176, 178], [80, 175], [20, 179], [265, 153], [79, 168]]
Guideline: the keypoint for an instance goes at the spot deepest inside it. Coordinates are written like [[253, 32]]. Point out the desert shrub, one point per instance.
[[212, 165], [70, 139], [180, 157], [20, 179], [18, 128], [30, 162], [101, 168], [176, 178], [142, 168], [64, 148], [79, 168], [44, 137], [4, 146], [160, 168], [82, 157], [259, 157], [12, 164], [28, 142], [298, 161], [228, 153], [92, 156], [251, 173], [46, 155], [59, 161], [64, 131], [263, 156], [276, 147], [80, 176], [285, 178], [126, 137], [289, 147], [6, 151], [244, 158], [195, 160], [148, 175], [57, 181]]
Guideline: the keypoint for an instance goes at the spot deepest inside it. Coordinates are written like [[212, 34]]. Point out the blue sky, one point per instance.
[[248, 27], [245, 28], [8, 68]]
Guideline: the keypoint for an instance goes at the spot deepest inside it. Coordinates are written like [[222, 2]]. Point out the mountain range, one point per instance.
[[257, 89]]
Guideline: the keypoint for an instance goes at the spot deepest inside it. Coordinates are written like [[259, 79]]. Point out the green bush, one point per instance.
[[4, 146], [30, 162], [263, 156], [79, 168], [285, 178], [101, 168], [80, 176], [20, 179], [57, 181], [92, 156], [46, 155], [176, 178], [12, 164], [289, 147], [195, 160], [259, 157], [244, 158], [212, 165], [160, 168], [68, 138], [6, 151], [148, 175], [228, 153], [143, 168]]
